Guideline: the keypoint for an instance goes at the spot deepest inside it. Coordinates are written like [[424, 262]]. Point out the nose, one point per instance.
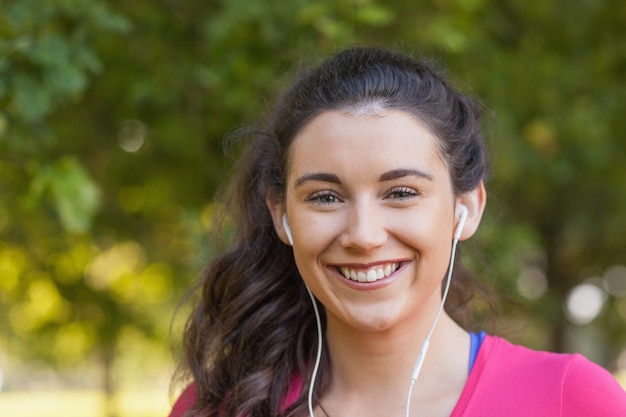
[[365, 228]]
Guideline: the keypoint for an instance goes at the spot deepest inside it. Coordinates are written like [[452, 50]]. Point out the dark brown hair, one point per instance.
[[253, 327]]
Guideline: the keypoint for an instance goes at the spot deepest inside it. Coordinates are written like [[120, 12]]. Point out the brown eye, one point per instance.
[[402, 193], [324, 197]]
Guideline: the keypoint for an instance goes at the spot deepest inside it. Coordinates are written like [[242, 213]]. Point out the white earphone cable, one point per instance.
[[424, 349], [319, 351]]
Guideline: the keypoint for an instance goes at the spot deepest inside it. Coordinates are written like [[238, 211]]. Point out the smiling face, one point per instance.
[[371, 209]]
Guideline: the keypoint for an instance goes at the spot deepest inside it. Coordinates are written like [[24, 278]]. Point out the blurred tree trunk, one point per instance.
[[561, 278], [108, 379]]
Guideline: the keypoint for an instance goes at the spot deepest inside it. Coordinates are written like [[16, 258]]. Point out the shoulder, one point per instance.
[[513, 377], [184, 402], [590, 390], [523, 362]]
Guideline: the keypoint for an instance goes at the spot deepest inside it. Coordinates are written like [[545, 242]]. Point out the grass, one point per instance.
[[129, 403]]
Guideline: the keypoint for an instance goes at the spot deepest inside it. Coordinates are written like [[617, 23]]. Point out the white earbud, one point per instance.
[[461, 224], [287, 229]]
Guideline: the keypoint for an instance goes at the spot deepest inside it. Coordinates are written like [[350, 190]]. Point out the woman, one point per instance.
[[348, 208]]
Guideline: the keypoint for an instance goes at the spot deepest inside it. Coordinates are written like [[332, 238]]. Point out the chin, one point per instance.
[[375, 324]]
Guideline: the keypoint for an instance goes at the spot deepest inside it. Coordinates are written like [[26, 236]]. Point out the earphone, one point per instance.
[[461, 224], [287, 229], [318, 322], [423, 350]]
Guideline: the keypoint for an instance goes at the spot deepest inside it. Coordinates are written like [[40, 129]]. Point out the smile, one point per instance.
[[369, 274]]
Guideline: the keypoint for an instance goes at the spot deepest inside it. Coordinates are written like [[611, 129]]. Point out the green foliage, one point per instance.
[[46, 60], [47, 56], [75, 195]]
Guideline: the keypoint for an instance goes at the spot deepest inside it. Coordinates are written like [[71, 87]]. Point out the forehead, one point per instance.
[[365, 142]]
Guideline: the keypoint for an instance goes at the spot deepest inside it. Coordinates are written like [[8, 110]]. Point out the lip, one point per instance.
[[366, 286]]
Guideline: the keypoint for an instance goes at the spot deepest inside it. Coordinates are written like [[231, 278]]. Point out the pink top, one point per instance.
[[514, 381]]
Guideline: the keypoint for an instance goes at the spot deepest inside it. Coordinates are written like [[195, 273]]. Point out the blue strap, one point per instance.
[[476, 339]]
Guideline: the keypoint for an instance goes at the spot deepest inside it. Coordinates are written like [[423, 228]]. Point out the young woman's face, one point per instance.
[[371, 209]]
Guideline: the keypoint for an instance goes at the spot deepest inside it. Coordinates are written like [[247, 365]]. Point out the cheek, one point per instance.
[[430, 238], [426, 231], [313, 231], [312, 240]]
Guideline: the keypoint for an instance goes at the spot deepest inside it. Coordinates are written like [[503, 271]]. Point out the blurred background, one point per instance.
[[112, 119]]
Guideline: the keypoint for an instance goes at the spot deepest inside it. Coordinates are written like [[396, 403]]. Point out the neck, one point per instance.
[[372, 370]]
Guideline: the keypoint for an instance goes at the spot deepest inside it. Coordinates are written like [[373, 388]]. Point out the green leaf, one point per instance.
[[76, 197], [375, 15], [66, 80], [31, 100]]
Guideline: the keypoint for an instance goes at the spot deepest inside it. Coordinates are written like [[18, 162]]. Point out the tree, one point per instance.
[[112, 119]]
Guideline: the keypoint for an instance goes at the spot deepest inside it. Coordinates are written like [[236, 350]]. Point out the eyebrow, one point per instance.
[[404, 172], [386, 176], [317, 176]]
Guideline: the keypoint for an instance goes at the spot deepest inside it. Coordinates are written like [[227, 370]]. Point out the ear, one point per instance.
[[277, 211], [475, 202]]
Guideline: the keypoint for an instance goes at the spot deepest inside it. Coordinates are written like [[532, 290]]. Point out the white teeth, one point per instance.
[[369, 275]]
